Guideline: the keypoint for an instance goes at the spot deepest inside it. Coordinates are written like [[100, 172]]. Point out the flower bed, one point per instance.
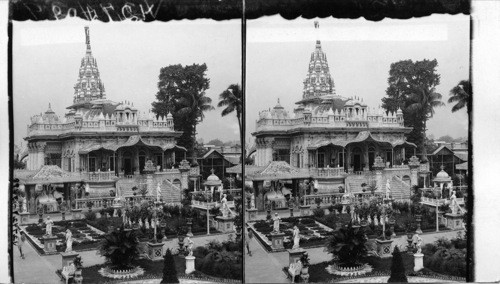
[[84, 236], [312, 233]]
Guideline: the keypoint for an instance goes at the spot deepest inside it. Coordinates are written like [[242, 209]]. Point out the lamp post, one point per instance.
[[436, 194]]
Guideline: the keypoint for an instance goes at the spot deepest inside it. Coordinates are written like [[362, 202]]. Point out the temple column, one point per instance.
[[268, 149], [414, 165], [348, 159], [366, 159]]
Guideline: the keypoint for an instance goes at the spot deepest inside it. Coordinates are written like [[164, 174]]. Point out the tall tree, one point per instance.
[[408, 81], [181, 91], [232, 99], [423, 102], [461, 95]]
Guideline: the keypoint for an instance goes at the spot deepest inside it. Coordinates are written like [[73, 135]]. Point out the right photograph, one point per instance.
[[357, 151]]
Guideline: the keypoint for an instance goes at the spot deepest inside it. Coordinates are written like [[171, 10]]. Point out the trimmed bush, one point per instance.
[[169, 270], [397, 268]]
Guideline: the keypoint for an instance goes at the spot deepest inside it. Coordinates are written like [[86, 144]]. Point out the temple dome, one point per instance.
[[442, 174], [213, 177]]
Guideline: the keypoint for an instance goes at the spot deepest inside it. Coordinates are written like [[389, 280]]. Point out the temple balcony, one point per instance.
[[336, 198], [440, 201]]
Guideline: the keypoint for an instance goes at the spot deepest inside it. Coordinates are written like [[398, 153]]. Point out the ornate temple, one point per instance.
[[101, 146], [337, 141]]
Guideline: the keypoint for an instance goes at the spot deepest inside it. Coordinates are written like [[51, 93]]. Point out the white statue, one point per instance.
[[158, 192], [388, 189], [276, 225], [48, 226], [296, 237], [69, 241], [189, 246], [418, 243], [24, 208], [224, 207], [453, 203], [252, 201]]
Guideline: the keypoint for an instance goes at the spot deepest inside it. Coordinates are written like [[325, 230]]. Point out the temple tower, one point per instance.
[[88, 86], [318, 81]]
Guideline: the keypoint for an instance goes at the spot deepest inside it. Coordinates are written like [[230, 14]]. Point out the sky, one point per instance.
[[359, 54], [47, 55]]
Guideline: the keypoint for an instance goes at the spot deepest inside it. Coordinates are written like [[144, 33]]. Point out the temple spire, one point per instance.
[[87, 39]]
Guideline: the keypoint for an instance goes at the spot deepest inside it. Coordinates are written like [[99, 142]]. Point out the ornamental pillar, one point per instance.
[[268, 144], [378, 167], [414, 165]]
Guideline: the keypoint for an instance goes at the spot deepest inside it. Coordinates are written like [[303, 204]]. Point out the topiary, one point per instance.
[[169, 270], [397, 268]]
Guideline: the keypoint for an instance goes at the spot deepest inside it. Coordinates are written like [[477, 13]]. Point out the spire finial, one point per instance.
[[87, 38], [278, 100]]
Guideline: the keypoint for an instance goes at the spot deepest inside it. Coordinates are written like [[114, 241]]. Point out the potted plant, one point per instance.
[[77, 261], [304, 259]]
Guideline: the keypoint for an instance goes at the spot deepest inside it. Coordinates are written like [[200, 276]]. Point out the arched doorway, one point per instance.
[[127, 163], [357, 159]]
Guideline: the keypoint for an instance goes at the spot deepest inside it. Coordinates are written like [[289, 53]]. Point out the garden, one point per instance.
[[85, 236], [443, 260]]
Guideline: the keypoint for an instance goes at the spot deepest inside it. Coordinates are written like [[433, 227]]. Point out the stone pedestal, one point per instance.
[[76, 214], [384, 248], [419, 262], [49, 244], [155, 251], [225, 224], [190, 264], [25, 216], [67, 258], [277, 241], [305, 210], [252, 214], [294, 255], [454, 221]]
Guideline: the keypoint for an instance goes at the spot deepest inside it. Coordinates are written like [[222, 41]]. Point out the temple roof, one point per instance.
[[132, 140], [362, 136], [278, 170]]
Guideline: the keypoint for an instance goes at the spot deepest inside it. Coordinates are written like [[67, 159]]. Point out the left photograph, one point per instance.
[[128, 151]]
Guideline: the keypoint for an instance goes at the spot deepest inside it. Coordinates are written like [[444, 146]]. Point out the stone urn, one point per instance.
[[418, 218]]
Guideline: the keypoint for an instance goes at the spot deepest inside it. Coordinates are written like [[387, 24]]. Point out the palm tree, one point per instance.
[[120, 248], [195, 105], [232, 99], [423, 102], [348, 244], [461, 95]]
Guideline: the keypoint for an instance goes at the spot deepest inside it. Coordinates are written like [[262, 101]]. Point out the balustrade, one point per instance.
[[98, 176], [328, 172], [97, 202]]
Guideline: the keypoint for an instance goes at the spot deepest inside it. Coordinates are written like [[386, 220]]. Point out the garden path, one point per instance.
[[41, 269]]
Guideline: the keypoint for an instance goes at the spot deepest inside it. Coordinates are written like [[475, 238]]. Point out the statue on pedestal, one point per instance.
[[276, 225], [48, 226], [69, 241], [417, 242], [296, 237], [24, 207], [252, 201]]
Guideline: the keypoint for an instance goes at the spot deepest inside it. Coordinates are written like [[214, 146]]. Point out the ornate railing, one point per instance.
[[326, 198], [97, 202], [440, 201], [98, 176], [328, 172], [204, 204]]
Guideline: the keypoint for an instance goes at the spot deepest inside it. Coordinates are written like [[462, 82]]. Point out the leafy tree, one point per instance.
[[120, 247], [397, 267], [413, 83], [181, 91], [461, 95], [232, 99], [169, 270], [216, 142], [446, 138]]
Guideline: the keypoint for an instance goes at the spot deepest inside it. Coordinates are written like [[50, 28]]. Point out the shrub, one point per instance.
[[90, 216], [169, 270], [397, 267], [318, 212], [120, 248]]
